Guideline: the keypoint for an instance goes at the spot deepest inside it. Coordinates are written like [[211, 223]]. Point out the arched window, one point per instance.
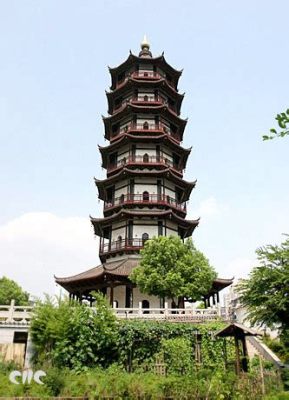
[[146, 158], [145, 125], [145, 196], [145, 98], [145, 304], [145, 237], [121, 199]]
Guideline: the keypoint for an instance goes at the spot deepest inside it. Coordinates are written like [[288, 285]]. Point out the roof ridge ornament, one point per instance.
[[145, 48]]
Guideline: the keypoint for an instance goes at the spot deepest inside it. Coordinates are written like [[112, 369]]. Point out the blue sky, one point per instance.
[[53, 74]]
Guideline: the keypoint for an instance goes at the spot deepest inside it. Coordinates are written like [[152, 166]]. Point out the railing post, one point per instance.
[[166, 312], [11, 311], [140, 308]]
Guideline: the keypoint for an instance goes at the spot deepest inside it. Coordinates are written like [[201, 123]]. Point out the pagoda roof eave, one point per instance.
[[132, 58], [185, 185], [131, 83], [139, 82], [105, 150], [99, 223], [87, 280], [143, 108], [129, 137]]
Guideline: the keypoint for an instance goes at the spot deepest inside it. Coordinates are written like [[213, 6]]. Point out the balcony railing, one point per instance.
[[146, 199], [146, 75], [120, 245], [143, 75], [145, 101], [136, 160], [146, 128]]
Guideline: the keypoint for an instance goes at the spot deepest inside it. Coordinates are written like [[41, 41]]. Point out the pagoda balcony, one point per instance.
[[121, 245], [145, 101], [146, 128], [144, 75], [144, 161], [146, 199]]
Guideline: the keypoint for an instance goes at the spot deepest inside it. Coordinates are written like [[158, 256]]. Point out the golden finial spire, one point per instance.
[[145, 44]]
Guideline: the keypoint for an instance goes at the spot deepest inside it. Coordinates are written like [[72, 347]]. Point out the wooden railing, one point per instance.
[[145, 128], [144, 100], [16, 315], [120, 245], [130, 160], [144, 75], [146, 199]]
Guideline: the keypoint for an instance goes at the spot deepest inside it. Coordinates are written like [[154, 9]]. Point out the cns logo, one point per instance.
[[26, 376]]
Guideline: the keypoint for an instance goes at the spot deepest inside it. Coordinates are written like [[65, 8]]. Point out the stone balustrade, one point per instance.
[[15, 315], [21, 315]]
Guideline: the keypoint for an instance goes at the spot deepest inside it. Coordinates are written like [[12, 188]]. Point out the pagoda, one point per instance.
[[144, 192]]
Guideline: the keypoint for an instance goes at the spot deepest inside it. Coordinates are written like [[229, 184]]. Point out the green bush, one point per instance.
[[74, 335]]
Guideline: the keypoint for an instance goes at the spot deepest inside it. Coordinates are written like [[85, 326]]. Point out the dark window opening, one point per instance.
[[145, 196]]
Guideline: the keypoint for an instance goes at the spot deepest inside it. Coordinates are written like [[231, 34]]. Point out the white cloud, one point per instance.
[[208, 208], [240, 267], [36, 246]]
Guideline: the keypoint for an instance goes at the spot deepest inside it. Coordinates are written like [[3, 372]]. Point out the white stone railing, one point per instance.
[[21, 315], [172, 314], [16, 315]]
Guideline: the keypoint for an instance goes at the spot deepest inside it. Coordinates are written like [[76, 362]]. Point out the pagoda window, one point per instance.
[[156, 94], [121, 199], [146, 158], [145, 237], [145, 196], [135, 94], [146, 125], [145, 98]]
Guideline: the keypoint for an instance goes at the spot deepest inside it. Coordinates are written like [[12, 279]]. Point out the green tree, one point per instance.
[[283, 122], [173, 269], [265, 293], [10, 290], [74, 335]]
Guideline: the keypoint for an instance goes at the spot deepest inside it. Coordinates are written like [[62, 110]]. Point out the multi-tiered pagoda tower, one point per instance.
[[144, 192]]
